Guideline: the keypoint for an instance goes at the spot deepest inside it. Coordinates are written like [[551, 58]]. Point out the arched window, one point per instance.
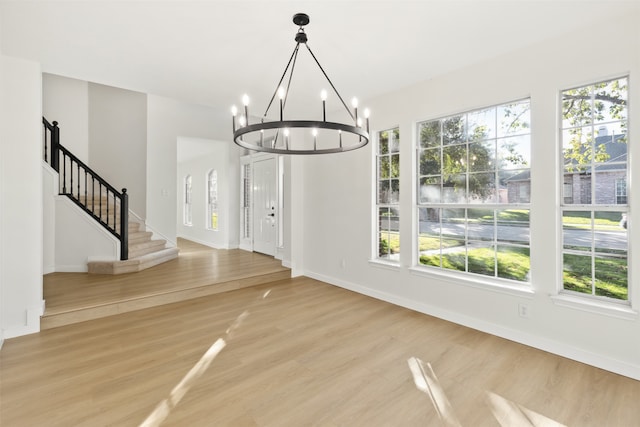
[[212, 200], [187, 217]]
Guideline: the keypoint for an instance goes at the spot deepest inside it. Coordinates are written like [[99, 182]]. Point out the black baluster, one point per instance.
[[107, 200], [93, 194], [55, 147], [115, 221], [124, 225], [46, 145], [64, 173]]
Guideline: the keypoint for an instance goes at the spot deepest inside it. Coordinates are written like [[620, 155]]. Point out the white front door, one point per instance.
[[264, 206]]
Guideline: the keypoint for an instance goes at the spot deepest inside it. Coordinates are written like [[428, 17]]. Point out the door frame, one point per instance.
[[246, 197]]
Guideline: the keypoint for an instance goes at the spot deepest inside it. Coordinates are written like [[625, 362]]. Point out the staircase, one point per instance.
[[105, 204], [144, 252]]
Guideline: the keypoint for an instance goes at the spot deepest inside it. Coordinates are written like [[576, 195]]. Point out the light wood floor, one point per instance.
[[296, 352], [198, 271]]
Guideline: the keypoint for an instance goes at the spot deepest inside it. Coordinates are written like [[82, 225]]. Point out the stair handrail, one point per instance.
[[52, 151]]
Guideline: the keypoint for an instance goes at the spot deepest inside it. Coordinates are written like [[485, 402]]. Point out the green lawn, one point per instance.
[[603, 220], [512, 263], [611, 275], [426, 243]]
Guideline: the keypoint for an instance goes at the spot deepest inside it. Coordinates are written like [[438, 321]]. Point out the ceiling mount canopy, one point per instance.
[[312, 136]]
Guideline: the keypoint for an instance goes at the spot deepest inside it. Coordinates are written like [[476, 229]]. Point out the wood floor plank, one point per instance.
[[296, 352], [198, 271]]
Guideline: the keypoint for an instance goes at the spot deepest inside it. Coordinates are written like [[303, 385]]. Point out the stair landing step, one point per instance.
[[133, 265], [55, 319]]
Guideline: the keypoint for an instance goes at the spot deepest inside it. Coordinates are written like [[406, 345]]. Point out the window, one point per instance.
[[245, 200], [186, 211], [212, 200], [473, 192], [594, 150], [388, 194], [567, 190], [621, 191]]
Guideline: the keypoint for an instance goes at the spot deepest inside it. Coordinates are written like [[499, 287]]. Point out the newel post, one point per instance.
[[55, 147], [124, 226]]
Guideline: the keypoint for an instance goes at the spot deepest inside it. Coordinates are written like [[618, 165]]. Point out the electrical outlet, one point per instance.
[[523, 310]]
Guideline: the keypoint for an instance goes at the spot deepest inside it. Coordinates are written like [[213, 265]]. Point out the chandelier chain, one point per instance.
[[330, 82], [294, 55]]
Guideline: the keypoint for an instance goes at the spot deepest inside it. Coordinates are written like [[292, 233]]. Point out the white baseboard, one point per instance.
[[542, 343], [71, 268], [204, 243], [32, 325]]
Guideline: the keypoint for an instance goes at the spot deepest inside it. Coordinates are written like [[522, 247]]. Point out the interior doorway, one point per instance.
[[260, 208]]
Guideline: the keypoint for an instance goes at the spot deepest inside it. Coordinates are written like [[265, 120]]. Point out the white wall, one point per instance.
[[167, 119], [71, 238], [66, 101], [118, 140], [338, 201], [201, 156], [20, 197], [49, 194]]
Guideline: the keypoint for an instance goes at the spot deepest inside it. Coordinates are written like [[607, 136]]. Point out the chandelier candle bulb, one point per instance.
[[234, 112], [367, 113], [281, 94], [323, 96], [245, 101], [354, 104], [286, 138]]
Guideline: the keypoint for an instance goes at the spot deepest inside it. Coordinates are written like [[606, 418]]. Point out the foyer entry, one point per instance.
[[260, 207]]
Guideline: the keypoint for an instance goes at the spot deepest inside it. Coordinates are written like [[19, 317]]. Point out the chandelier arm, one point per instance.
[[330, 82], [292, 58], [286, 93]]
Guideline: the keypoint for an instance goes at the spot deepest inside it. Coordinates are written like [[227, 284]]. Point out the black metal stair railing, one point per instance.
[[87, 189]]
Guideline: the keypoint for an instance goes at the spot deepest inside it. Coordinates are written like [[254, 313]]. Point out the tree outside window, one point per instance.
[[388, 195], [595, 171], [473, 192]]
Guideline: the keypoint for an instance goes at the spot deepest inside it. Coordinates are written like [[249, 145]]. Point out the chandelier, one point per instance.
[[313, 136]]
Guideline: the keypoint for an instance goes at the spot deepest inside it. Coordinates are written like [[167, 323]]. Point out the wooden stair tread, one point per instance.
[[144, 252]]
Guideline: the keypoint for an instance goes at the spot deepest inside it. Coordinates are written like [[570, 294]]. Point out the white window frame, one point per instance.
[[391, 205], [621, 183], [187, 209], [474, 279], [212, 200], [593, 209], [246, 211]]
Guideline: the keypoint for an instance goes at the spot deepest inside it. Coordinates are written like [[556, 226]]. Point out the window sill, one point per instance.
[[598, 307], [387, 265], [493, 285]]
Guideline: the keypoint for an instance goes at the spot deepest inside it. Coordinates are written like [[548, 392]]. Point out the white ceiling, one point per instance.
[[211, 52]]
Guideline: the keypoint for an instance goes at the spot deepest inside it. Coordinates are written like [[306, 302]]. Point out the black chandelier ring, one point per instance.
[[363, 136]]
